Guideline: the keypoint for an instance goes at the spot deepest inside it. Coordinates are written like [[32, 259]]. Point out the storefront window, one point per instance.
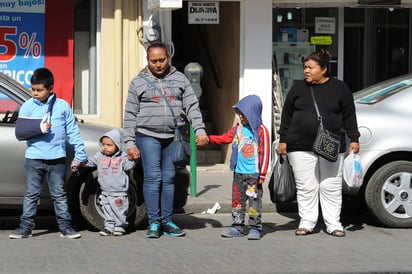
[[296, 33], [376, 45]]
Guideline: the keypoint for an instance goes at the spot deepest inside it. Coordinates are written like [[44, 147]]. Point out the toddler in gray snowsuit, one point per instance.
[[112, 163]]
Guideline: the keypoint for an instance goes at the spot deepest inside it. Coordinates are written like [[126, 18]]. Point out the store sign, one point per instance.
[[203, 12], [22, 25], [321, 40], [164, 4], [325, 25]]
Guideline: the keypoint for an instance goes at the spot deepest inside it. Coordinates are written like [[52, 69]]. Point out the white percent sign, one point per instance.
[[29, 44]]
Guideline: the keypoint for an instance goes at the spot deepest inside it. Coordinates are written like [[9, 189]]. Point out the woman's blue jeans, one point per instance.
[[159, 176], [54, 171]]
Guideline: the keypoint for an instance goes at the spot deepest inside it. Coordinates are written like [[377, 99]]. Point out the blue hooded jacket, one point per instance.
[[251, 107]]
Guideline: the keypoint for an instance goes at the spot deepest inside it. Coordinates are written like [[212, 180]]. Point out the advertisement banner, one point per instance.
[[22, 28]]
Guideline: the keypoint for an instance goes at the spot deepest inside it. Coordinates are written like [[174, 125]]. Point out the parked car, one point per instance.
[[82, 187], [384, 116]]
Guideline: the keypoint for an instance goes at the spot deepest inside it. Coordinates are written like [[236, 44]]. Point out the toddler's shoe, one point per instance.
[[232, 232], [254, 234], [106, 232], [118, 233]]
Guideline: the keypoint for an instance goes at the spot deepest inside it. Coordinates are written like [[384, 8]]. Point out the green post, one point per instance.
[[193, 163]]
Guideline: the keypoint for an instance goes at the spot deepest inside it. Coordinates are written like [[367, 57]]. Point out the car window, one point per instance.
[[9, 109], [378, 92]]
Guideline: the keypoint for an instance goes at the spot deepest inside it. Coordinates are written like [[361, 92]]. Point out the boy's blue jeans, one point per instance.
[[54, 171], [241, 183], [159, 175]]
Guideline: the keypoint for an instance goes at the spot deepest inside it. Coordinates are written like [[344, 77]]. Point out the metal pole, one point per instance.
[[193, 163]]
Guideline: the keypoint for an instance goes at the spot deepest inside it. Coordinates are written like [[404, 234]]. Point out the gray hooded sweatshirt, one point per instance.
[[112, 177], [148, 114]]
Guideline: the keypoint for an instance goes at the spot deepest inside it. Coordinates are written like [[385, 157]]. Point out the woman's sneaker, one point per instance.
[[69, 233], [173, 230], [20, 233], [153, 231]]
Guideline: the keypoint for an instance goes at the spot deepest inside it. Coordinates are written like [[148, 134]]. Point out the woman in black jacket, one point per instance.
[[318, 180]]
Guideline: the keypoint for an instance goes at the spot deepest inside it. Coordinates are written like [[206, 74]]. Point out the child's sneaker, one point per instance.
[[20, 233], [105, 232], [173, 230], [254, 234], [232, 232], [118, 233], [153, 231], [69, 233]]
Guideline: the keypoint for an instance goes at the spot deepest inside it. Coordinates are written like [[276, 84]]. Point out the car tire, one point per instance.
[[388, 194], [90, 208]]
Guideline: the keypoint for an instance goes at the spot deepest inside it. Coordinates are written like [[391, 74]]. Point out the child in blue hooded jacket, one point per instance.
[[249, 161], [112, 164]]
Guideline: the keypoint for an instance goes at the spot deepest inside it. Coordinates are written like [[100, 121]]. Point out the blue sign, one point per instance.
[[22, 28]]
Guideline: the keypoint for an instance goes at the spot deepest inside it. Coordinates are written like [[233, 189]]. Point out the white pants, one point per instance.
[[318, 180]]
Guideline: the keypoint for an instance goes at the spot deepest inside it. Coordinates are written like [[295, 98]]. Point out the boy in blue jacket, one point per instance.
[[46, 152]]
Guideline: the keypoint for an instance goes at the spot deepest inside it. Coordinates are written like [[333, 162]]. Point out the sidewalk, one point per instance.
[[214, 184]]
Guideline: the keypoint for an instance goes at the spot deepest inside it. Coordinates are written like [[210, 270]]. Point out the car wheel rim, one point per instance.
[[396, 195]]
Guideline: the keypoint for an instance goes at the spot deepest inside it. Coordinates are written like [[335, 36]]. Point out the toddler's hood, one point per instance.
[[115, 135]]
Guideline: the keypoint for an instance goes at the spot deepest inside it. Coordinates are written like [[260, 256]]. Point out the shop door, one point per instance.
[[376, 45]]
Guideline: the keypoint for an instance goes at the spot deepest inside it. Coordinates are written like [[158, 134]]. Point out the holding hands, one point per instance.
[[202, 140]]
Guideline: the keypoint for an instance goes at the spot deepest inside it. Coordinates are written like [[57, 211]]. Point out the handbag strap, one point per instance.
[[316, 106], [162, 93]]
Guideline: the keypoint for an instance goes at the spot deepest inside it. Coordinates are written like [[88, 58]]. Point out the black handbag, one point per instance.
[[282, 186], [326, 144]]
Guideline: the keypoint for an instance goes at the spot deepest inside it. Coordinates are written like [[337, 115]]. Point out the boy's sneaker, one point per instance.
[[173, 230], [153, 231], [69, 233], [232, 232], [118, 233], [20, 233], [254, 234], [105, 232]]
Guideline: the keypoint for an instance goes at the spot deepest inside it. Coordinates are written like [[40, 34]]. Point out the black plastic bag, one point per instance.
[[282, 186]]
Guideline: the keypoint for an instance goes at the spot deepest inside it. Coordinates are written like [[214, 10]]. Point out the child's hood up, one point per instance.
[[115, 135], [251, 107]]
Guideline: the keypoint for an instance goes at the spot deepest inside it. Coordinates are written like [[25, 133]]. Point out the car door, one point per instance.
[[12, 175]]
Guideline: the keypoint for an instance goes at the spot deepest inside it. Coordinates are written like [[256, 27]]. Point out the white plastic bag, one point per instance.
[[352, 170]]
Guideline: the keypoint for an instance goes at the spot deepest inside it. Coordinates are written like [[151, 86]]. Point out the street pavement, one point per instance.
[[214, 184], [367, 248]]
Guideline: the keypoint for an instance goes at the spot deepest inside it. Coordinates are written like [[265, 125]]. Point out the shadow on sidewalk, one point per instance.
[[191, 222]]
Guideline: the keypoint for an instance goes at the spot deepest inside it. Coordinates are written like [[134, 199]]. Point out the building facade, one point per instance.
[[369, 43]]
